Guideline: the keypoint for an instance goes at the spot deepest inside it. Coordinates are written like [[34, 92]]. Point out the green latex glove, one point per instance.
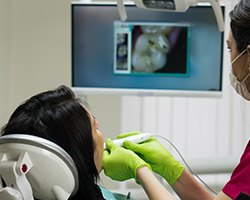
[[159, 158], [121, 164]]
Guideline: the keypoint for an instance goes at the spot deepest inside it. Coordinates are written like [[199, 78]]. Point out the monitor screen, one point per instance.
[[151, 53]]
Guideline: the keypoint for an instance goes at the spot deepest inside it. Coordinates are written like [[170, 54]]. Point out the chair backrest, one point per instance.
[[31, 162]]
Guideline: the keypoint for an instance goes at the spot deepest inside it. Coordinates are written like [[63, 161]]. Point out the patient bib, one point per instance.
[[113, 196]]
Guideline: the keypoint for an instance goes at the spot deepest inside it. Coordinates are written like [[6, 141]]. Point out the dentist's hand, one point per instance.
[[159, 158], [119, 163]]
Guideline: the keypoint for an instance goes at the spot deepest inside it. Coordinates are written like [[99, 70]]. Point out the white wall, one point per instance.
[[40, 47], [5, 19], [34, 50]]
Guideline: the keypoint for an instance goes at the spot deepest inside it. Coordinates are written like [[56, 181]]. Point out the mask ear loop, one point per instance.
[[247, 76], [238, 56]]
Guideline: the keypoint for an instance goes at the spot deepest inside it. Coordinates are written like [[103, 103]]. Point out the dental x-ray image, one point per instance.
[[122, 51], [150, 48]]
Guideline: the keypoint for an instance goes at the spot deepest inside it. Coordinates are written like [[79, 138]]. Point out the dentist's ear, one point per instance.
[[248, 49]]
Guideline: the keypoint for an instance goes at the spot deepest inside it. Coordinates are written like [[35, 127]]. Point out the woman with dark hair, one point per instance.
[[238, 187], [58, 116]]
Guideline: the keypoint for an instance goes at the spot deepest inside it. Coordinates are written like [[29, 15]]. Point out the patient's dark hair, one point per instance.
[[58, 116], [240, 24]]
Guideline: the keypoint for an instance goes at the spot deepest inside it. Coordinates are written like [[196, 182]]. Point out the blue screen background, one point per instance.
[[93, 49]]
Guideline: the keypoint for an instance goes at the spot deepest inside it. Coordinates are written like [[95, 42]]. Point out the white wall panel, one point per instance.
[[149, 114], [164, 111], [194, 117], [131, 117], [179, 124], [223, 127]]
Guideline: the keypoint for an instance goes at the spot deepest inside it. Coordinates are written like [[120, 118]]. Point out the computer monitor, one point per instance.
[[151, 53]]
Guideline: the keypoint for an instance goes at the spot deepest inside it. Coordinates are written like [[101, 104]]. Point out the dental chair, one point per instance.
[[33, 167]]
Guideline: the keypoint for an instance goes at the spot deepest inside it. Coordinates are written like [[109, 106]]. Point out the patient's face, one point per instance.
[[98, 143]]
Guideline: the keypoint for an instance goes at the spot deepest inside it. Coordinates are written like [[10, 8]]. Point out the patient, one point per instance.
[[60, 117]]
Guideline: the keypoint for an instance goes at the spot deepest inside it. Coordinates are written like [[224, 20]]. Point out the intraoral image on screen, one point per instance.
[[151, 50]]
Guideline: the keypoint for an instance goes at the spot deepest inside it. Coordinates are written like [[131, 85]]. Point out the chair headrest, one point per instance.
[[53, 172]]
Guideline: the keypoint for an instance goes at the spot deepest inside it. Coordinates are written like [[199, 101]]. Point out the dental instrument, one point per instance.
[[134, 138], [139, 138]]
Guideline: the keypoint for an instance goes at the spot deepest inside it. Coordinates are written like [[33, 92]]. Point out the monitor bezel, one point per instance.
[[80, 91]]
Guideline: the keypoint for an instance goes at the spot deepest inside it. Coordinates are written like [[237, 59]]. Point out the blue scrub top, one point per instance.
[[113, 196]]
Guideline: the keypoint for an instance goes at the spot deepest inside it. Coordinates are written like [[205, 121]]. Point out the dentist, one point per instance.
[[163, 163]]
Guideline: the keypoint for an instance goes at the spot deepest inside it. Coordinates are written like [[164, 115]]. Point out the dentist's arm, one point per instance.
[[163, 163], [188, 188], [151, 185]]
